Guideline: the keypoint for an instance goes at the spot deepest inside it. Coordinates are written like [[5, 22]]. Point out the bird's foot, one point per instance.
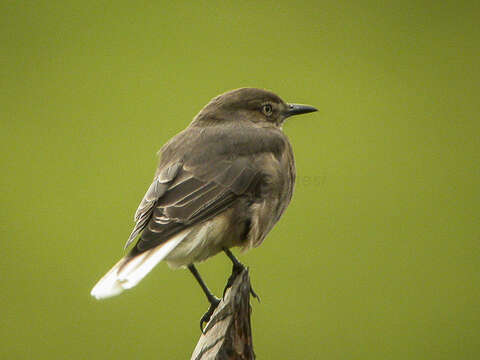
[[206, 317], [237, 269]]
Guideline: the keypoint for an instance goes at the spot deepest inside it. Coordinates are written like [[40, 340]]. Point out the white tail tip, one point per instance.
[[109, 285], [129, 271]]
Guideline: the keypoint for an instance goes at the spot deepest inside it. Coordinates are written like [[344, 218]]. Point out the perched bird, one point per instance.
[[222, 182]]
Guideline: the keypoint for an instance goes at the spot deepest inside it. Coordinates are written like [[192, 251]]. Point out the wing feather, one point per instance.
[[194, 194], [158, 187]]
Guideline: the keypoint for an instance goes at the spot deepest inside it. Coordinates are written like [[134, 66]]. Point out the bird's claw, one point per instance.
[[206, 317], [236, 270], [254, 294]]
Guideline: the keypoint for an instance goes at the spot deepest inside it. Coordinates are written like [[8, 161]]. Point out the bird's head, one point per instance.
[[250, 104]]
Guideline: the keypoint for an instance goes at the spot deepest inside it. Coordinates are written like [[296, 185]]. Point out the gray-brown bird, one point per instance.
[[222, 182]]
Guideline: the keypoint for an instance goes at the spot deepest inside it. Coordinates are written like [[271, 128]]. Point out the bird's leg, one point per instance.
[[237, 268], [212, 299]]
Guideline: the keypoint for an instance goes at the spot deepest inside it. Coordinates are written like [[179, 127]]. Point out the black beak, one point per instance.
[[297, 109]]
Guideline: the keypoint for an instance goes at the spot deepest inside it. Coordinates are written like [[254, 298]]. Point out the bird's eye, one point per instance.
[[267, 109]]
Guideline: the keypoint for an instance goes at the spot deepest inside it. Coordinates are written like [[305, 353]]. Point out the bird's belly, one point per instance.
[[204, 240]]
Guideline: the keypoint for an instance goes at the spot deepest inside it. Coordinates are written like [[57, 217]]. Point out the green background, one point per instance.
[[378, 255]]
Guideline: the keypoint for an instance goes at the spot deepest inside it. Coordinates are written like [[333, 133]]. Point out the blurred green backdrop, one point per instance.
[[378, 256]]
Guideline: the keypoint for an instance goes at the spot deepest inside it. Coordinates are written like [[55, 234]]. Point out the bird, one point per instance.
[[222, 182]]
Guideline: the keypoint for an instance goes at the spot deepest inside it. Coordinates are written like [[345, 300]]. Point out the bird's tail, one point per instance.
[[130, 270]]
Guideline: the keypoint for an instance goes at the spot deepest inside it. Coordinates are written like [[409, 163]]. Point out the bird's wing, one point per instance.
[[183, 195], [158, 187]]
